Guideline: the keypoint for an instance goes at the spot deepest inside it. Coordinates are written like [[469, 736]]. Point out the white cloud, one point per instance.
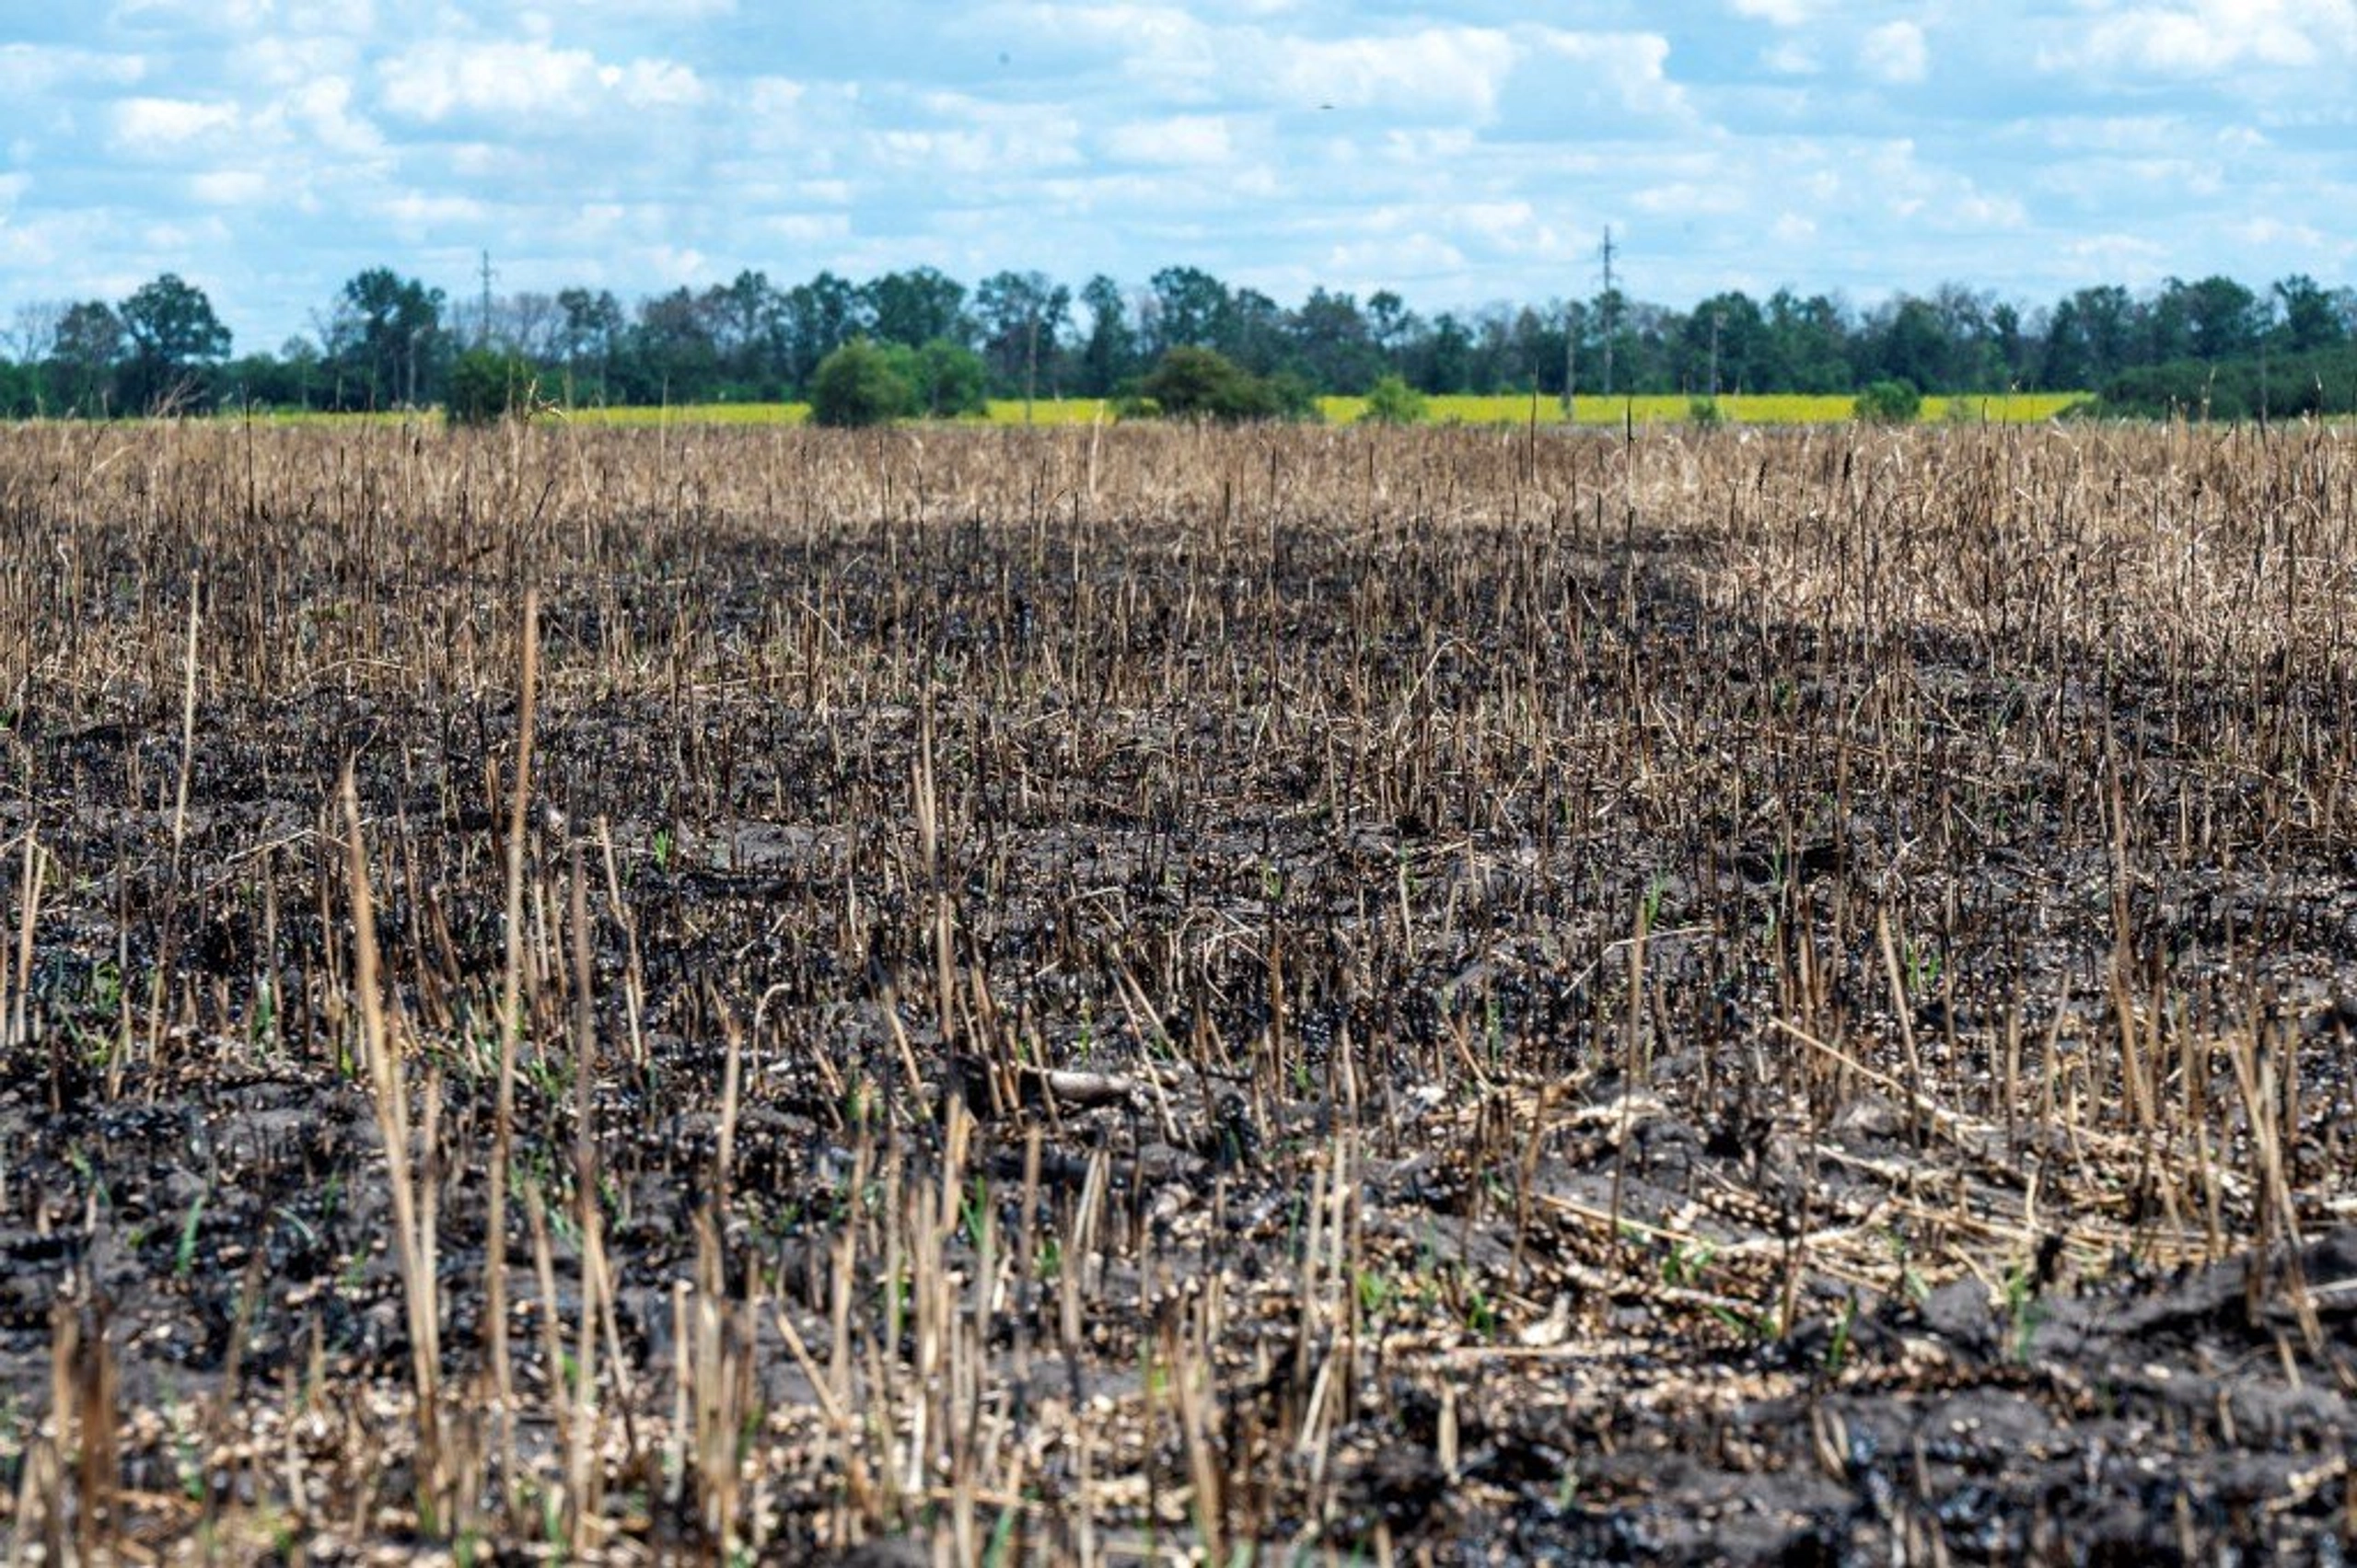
[[1181, 140], [1630, 69], [319, 111], [2206, 38], [230, 16], [148, 126], [1895, 52], [231, 187], [414, 212], [30, 70], [1686, 200], [1783, 13], [1452, 70], [446, 78]]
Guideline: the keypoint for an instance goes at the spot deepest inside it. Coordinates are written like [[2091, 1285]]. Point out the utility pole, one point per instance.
[[1611, 309], [482, 322]]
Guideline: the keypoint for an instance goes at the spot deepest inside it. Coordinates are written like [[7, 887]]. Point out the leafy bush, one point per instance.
[[859, 384], [487, 386], [1392, 401], [867, 383], [1889, 402], [1201, 383], [1705, 412]]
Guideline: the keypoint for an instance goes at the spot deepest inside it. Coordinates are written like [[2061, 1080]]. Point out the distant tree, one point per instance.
[[1441, 362], [385, 339], [88, 349], [1189, 309], [1809, 344], [1255, 333], [915, 307], [821, 317], [673, 357], [1333, 344], [1724, 345], [289, 379], [1390, 323], [2090, 338], [174, 338], [1905, 340], [747, 322], [487, 385], [1109, 353], [2310, 319], [589, 337], [1024, 316], [32, 341], [858, 384], [2223, 319]]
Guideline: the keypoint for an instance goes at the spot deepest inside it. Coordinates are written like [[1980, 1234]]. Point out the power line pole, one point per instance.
[[1611, 308], [482, 322]]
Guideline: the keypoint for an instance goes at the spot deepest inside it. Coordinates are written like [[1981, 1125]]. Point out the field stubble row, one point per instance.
[[1075, 992]]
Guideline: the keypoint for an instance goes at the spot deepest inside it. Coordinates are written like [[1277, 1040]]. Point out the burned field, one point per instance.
[[994, 997]]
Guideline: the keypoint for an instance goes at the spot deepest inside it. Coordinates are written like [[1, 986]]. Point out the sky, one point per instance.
[[1465, 154]]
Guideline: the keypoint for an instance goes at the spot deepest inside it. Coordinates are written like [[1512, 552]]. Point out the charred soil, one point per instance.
[[1145, 994]]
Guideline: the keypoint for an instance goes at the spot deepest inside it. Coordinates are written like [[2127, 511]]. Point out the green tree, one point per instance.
[[589, 336], [384, 341], [674, 355], [2223, 319], [87, 349], [486, 386], [1108, 354], [916, 307], [174, 338], [1023, 318], [1333, 344], [821, 317], [1190, 309], [858, 384], [2310, 318]]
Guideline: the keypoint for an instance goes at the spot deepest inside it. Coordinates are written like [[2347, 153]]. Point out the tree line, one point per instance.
[[387, 340]]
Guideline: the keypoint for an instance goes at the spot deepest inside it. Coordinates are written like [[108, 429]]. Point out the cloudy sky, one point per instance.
[[1466, 153]]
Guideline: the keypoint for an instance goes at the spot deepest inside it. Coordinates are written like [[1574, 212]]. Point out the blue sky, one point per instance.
[[1460, 153]]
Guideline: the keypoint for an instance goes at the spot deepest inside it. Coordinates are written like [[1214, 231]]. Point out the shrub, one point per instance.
[[1201, 383], [1705, 413], [487, 386], [1889, 402], [859, 384], [1392, 401]]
